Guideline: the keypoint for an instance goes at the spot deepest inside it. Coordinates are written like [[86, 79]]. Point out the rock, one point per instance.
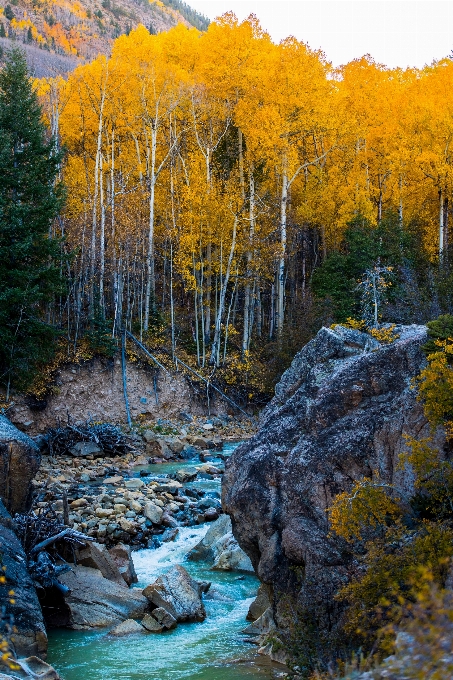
[[340, 412], [20, 459], [128, 627], [79, 503], [220, 549], [95, 602], [153, 512], [186, 475], [264, 625], [33, 668], [134, 483], [83, 449], [211, 514], [228, 556], [259, 604], [199, 442], [178, 593], [159, 448], [172, 486], [29, 638], [116, 479], [169, 521], [149, 436], [150, 623], [122, 556], [169, 535], [175, 445], [96, 556], [165, 618]]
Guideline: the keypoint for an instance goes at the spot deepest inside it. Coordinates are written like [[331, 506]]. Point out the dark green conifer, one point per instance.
[[30, 199]]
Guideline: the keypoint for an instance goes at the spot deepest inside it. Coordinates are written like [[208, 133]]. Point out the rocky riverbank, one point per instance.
[[120, 497], [115, 498]]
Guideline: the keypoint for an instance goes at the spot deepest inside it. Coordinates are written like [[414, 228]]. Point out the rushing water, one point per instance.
[[212, 650]]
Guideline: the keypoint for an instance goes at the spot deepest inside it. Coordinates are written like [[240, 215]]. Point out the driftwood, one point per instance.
[[108, 437], [44, 537]]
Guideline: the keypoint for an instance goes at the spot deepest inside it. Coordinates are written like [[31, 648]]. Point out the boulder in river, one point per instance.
[[164, 618], [179, 594], [340, 412], [220, 549], [95, 602], [20, 459], [128, 627]]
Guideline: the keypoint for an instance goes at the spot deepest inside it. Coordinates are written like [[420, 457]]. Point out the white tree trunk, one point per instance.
[[218, 324]]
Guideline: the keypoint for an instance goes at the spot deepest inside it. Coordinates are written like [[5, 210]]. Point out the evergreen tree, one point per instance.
[[30, 199]]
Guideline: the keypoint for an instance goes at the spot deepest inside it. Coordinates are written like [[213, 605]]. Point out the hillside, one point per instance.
[[57, 35]]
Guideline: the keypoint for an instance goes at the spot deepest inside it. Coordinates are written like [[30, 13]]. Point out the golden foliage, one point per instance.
[[370, 504]]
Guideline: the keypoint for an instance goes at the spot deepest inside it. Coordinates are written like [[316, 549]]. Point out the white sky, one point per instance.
[[395, 32]]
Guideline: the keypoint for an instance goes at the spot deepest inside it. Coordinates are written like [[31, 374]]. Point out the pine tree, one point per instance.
[[30, 199]]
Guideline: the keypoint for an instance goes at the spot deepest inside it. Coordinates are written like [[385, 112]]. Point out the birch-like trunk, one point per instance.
[[280, 306], [218, 325], [151, 170], [249, 255]]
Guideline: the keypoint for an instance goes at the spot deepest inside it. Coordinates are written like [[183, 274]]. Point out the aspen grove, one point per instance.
[[210, 174]]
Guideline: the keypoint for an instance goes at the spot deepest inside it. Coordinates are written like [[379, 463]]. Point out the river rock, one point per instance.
[[340, 412], [29, 638], [153, 512], [122, 556], [178, 593], [150, 623], [134, 483], [95, 602], [186, 475], [33, 668], [164, 618], [20, 459], [128, 627], [96, 556], [175, 445], [220, 549]]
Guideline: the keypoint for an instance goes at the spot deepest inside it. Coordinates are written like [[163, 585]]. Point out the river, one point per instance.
[[212, 650]]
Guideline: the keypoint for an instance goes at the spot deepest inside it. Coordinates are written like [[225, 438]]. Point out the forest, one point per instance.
[[226, 196]]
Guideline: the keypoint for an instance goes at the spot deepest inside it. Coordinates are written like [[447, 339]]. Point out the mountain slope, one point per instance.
[[59, 34]]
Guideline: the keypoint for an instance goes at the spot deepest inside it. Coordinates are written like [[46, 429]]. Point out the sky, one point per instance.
[[395, 32]]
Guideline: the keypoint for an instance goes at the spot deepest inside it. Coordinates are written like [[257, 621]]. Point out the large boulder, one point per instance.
[[340, 413], [19, 462], [29, 637], [220, 549], [179, 594], [32, 668], [95, 602]]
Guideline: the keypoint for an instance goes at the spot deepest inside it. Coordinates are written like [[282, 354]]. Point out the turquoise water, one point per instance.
[[212, 650]]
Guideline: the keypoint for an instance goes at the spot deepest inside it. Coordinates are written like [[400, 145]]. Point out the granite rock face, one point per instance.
[[339, 414], [19, 462]]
